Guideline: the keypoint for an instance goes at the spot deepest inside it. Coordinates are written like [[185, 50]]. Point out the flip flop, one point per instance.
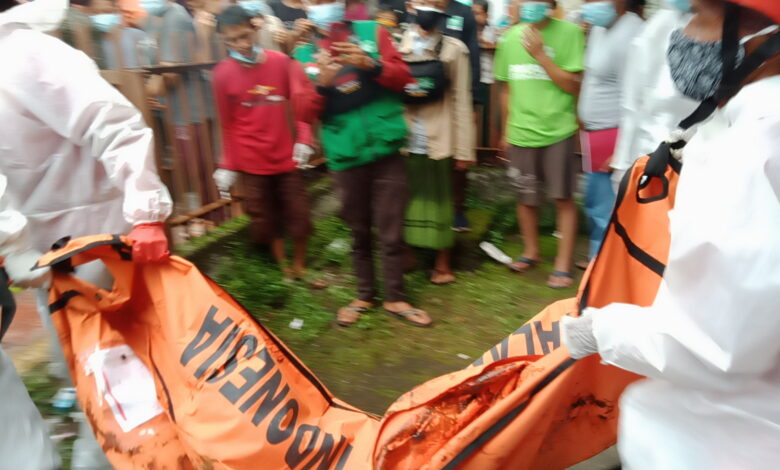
[[530, 263], [348, 316], [560, 274], [407, 316]]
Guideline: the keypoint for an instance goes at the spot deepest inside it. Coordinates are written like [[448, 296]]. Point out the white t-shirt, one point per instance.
[[486, 57], [605, 57]]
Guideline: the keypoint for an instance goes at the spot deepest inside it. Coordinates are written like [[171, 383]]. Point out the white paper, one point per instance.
[[126, 385]]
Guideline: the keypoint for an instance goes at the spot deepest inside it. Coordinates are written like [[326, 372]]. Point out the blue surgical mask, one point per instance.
[[324, 15], [682, 5], [534, 12], [255, 7], [599, 13], [241, 58], [155, 7], [105, 22]]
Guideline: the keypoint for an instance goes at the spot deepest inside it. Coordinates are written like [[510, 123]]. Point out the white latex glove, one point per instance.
[[302, 154], [18, 266], [578, 336], [225, 179]]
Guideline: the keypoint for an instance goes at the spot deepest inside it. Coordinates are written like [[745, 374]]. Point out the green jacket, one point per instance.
[[363, 135]]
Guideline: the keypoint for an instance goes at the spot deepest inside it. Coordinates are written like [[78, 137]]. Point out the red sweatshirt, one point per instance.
[[257, 105]]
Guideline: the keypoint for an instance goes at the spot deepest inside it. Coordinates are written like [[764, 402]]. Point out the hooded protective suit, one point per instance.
[[709, 343], [75, 159]]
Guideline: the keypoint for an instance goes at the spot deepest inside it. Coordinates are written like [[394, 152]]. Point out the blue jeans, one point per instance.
[[599, 200]]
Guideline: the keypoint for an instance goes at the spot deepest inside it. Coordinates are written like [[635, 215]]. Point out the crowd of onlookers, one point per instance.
[[396, 106]]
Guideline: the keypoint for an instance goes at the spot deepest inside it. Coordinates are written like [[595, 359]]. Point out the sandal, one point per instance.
[[348, 316], [560, 280], [413, 316], [523, 264]]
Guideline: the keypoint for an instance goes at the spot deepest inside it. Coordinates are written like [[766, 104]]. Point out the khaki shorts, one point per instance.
[[277, 205], [552, 168]]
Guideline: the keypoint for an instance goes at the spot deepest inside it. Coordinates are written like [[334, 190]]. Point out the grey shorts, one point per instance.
[[552, 168]]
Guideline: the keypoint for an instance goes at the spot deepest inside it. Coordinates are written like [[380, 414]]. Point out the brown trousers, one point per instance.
[[375, 195]]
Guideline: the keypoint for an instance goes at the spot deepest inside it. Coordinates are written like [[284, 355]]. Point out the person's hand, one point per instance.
[[352, 54], [150, 245], [328, 68], [577, 334], [281, 36], [20, 272], [463, 165], [533, 42], [225, 179], [606, 167], [302, 153], [303, 26]]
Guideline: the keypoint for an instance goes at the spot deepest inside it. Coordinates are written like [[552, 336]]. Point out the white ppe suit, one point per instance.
[[709, 343], [78, 161], [650, 105]]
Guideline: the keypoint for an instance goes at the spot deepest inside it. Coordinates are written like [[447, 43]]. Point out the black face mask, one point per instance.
[[428, 19]]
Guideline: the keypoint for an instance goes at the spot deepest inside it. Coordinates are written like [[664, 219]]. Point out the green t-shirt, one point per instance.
[[540, 113]]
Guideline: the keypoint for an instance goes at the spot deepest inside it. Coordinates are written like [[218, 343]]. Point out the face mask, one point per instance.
[[323, 16], [105, 22], [534, 12], [682, 5], [599, 13], [155, 7], [255, 7], [428, 18], [241, 58], [697, 67]]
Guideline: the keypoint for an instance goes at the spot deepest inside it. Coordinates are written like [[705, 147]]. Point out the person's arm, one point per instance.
[[390, 70], [307, 103], [225, 110], [471, 40], [15, 251], [631, 99], [565, 80], [714, 323], [395, 73], [501, 73], [88, 111], [459, 72]]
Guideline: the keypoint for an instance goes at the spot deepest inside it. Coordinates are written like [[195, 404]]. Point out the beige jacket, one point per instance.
[[449, 122]]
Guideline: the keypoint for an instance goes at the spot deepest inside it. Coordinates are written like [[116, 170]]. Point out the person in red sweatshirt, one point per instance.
[[265, 103]]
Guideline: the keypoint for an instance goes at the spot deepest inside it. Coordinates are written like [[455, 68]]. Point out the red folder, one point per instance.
[[597, 148]]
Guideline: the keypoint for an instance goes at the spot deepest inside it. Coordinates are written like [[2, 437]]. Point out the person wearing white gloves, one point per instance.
[[650, 105], [708, 344], [77, 160], [264, 100]]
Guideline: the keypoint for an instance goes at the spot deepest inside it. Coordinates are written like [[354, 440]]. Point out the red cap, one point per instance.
[[770, 8]]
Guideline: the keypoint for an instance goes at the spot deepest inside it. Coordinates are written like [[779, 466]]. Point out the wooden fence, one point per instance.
[[168, 80]]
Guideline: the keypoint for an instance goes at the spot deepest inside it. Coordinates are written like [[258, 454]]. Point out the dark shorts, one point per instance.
[[552, 169], [277, 205]]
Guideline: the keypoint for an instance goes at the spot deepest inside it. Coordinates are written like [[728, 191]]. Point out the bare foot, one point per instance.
[[348, 315], [440, 278]]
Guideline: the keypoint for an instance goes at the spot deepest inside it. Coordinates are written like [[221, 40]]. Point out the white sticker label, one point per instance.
[[126, 385], [527, 72]]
